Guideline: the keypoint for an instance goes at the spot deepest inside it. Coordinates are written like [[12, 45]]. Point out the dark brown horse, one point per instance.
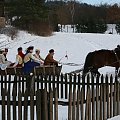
[[101, 58]]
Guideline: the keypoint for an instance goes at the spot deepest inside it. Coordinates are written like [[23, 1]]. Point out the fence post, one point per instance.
[[93, 99], [82, 104], [56, 105], [61, 85], [74, 100], [3, 104], [38, 105], [66, 92], [14, 102], [114, 100], [78, 103], [51, 105], [44, 105], [107, 96], [70, 99], [26, 105], [104, 101], [31, 104], [97, 98], [88, 101], [101, 99], [111, 96], [19, 105], [118, 96]]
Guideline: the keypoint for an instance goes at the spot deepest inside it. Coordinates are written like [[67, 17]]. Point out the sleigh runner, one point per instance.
[[42, 70]]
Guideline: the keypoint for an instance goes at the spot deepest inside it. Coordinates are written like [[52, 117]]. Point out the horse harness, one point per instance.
[[117, 57]]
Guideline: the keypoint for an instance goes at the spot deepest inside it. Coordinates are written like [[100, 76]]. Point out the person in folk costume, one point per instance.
[[4, 63], [37, 55], [19, 58], [49, 60], [30, 61]]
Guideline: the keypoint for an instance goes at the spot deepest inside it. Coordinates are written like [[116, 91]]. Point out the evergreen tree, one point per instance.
[[22, 13], [91, 26]]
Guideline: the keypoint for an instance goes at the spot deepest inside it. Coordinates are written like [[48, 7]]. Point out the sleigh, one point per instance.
[[42, 70]]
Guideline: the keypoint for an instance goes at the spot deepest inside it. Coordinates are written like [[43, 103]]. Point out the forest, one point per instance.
[[30, 14]]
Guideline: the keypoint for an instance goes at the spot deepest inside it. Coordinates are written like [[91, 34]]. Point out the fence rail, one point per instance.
[[85, 97]]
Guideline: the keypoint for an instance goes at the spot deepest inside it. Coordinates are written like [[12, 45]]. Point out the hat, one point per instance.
[[51, 51], [37, 50], [19, 49], [30, 48], [6, 49]]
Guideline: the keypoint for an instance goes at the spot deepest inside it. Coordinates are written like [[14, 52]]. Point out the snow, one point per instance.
[[75, 45], [115, 118]]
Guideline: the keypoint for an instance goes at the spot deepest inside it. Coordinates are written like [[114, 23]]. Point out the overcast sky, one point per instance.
[[100, 1]]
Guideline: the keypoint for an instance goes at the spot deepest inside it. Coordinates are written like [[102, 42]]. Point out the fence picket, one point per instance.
[[31, 104], [104, 102], [87, 104], [8, 106], [51, 106], [44, 105], [101, 98], [74, 103], [3, 105], [96, 100], [66, 88], [118, 95], [56, 105], [26, 105], [78, 103], [58, 85], [19, 105], [61, 86], [14, 103], [70, 99], [114, 100], [93, 98], [82, 104], [111, 96], [38, 105]]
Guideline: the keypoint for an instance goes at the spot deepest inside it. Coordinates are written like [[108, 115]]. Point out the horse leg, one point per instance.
[[95, 72], [116, 70]]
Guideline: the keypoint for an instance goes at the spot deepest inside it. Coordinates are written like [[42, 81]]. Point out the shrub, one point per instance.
[[91, 26]]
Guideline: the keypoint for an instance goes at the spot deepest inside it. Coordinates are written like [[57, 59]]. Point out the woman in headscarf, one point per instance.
[[38, 56], [30, 61]]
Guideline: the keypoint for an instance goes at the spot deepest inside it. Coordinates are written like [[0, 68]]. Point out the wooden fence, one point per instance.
[[38, 97]]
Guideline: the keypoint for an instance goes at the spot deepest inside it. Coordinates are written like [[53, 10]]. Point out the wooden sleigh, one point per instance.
[[42, 70]]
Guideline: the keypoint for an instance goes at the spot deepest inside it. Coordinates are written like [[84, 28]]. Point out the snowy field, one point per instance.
[[75, 45]]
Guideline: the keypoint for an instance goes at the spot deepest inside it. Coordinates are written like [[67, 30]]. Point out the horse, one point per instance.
[[98, 59]]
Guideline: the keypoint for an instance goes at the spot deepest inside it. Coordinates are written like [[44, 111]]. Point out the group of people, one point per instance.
[[28, 60]]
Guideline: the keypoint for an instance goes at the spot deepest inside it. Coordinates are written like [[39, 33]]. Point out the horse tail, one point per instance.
[[88, 62]]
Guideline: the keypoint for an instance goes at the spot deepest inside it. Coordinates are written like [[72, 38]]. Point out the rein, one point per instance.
[[72, 64], [118, 60]]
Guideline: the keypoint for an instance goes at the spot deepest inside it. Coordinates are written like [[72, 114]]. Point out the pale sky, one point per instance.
[[100, 1]]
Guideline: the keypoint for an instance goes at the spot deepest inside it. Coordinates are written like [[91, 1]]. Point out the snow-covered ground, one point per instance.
[[115, 118], [75, 45]]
